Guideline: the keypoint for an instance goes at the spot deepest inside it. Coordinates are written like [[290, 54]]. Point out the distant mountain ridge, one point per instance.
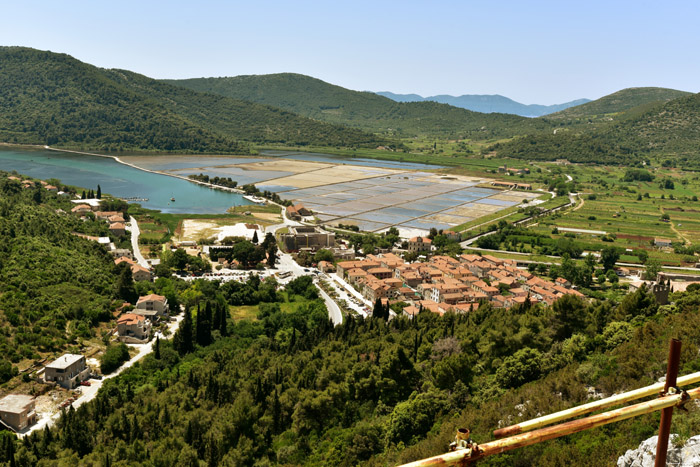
[[487, 103]]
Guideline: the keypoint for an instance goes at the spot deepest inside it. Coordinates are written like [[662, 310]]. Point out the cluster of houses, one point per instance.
[[446, 284], [114, 218], [17, 411], [134, 327], [26, 184]]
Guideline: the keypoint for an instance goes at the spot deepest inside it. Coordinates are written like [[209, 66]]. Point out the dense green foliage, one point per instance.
[[290, 389], [113, 357], [617, 102], [55, 287], [316, 99], [54, 99], [669, 131]]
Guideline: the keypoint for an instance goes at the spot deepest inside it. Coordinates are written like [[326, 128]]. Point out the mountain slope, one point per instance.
[[487, 103], [670, 130], [317, 99], [54, 99], [620, 101]]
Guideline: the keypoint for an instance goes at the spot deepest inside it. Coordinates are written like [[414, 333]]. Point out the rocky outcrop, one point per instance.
[[687, 455]]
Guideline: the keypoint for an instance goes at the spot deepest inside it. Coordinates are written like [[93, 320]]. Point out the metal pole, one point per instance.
[[464, 457], [674, 355], [618, 399]]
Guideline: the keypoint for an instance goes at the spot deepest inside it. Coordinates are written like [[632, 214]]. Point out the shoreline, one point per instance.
[[133, 166]]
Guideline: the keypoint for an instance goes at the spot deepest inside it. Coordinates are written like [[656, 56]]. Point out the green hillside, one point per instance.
[[54, 99], [317, 99], [617, 102], [287, 388], [55, 287], [667, 131]]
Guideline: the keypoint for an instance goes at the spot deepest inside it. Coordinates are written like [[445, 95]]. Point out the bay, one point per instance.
[[120, 180]]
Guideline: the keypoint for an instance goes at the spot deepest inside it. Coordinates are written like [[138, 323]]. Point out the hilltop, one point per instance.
[[619, 101], [319, 100], [669, 130], [487, 103], [54, 99]]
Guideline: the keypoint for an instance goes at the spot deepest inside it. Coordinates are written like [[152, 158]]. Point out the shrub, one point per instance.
[[113, 357]]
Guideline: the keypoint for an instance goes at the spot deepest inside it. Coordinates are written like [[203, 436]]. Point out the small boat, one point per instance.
[[172, 199]]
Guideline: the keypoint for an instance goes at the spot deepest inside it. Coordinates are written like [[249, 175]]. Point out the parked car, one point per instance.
[[85, 383]]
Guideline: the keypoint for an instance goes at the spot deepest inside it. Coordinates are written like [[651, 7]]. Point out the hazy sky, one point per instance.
[[541, 52]]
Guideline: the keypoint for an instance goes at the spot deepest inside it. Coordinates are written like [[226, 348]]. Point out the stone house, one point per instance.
[[68, 370], [17, 411]]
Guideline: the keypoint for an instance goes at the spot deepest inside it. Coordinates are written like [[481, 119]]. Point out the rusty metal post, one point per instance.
[[674, 354]]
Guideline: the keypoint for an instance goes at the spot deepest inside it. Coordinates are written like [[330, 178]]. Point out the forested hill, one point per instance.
[[54, 99], [55, 287], [619, 101], [288, 388], [665, 131], [487, 103], [317, 99]]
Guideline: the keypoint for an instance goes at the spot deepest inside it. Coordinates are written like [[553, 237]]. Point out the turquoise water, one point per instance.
[[120, 180]]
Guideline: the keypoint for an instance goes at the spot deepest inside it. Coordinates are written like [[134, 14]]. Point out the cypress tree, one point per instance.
[[99, 192], [255, 237], [156, 351], [224, 321]]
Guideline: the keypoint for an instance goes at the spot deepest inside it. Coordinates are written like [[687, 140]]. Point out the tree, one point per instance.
[[99, 192], [125, 284], [522, 367], [653, 268], [608, 257], [113, 357], [156, 348], [183, 336], [255, 237]]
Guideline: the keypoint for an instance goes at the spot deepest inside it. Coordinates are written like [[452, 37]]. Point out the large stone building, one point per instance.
[[17, 411], [68, 370], [307, 237]]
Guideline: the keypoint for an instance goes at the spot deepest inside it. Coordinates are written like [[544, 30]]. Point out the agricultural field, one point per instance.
[[630, 213]]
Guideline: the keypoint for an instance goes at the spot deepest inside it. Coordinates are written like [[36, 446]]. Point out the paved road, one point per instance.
[[90, 392], [334, 312], [135, 232]]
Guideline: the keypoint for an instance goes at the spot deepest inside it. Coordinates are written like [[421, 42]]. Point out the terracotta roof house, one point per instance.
[[151, 305], [133, 328], [139, 273], [81, 208], [117, 229]]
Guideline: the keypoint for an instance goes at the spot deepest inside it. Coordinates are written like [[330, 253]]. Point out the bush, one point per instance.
[[113, 358]]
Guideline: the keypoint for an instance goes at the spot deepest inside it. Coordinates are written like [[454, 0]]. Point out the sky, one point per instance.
[[536, 52]]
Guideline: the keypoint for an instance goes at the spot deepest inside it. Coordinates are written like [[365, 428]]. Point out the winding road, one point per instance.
[[135, 232]]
